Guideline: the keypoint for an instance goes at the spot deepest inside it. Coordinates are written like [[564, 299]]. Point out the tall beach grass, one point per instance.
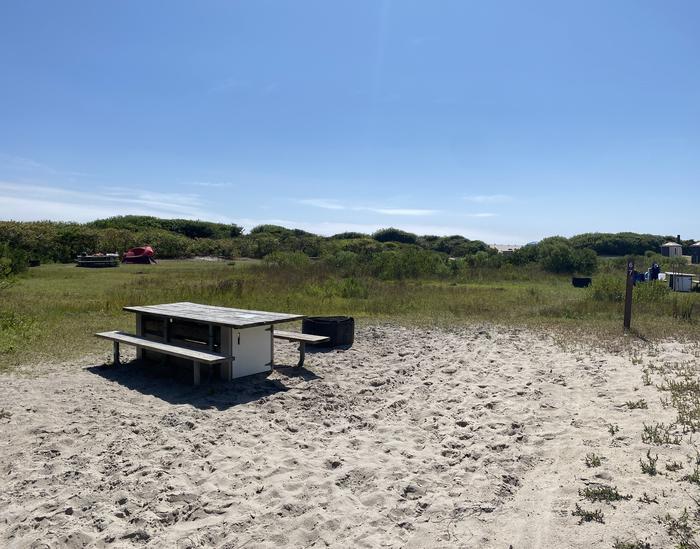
[[51, 312]]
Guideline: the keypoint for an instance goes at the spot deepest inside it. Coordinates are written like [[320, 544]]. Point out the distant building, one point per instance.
[[680, 282], [671, 249], [695, 253], [506, 249]]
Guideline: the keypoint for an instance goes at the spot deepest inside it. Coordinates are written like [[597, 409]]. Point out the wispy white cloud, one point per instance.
[[411, 212], [322, 203], [481, 214], [188, 204], [214, 184], [423, 39], [331, 204], [236, 85], [270, 88], [229, 85], [26, 202], [488, 198], [18, 164]]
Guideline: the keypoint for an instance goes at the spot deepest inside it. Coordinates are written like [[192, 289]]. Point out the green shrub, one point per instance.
[[524, 255], [618, 243], [287, 260], [167, 245], [585, 261], [454, 246], [15, 330], [608, 288], [349, 236], [185, 227], [652, 292], [682, 308], [12, 260], [344, 260], [354, 288], [408, 263], [395, 235], [483, 259], [363, 246], [556, 255]]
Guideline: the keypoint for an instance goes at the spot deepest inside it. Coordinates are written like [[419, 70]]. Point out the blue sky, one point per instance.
[[505, 121]]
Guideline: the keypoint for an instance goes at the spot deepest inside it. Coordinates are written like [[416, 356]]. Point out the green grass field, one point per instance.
[[51, 312]]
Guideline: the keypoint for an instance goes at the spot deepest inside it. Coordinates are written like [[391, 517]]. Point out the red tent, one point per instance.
[[142, 254]]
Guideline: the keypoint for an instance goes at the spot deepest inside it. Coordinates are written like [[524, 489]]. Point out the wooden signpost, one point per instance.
[[628, 294]]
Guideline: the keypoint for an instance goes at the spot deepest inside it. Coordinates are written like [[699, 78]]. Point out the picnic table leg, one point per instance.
[[227, 349], [116, 353], [302, 353], [226, 370], [196, 373], [139, 332]]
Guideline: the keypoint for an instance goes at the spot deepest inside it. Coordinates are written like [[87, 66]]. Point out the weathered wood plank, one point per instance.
[[173, 350], [223, 316], [296, 336]]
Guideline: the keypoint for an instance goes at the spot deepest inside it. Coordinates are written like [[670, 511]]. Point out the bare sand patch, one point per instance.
[[413, 438]]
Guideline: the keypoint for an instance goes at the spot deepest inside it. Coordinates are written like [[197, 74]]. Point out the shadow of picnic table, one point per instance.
[[164, 383]]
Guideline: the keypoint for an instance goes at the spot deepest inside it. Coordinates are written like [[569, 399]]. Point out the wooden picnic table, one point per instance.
[[240, 340], [211, 314]]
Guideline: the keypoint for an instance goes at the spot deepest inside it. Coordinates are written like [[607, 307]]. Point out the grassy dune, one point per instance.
[[51, 312]]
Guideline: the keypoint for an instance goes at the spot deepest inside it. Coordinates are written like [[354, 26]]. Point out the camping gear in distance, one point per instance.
[[142, 254], [97, 260], [580, 281]]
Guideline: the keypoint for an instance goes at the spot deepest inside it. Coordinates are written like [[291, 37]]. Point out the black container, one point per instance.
[[580, 282], [341, 329]]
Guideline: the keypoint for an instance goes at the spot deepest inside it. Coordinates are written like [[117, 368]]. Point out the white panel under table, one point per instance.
[[252, 351]]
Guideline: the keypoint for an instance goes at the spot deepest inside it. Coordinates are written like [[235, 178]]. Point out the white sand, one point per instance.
[[472, 438]]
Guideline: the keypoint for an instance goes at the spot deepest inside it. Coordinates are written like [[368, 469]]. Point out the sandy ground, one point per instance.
[[412, 438]]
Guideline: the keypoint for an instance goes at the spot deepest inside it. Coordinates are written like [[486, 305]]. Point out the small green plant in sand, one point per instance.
[[659, 434], [613, 429], [649, 466], [640, 404], [588, 516], [693, 477], [646, 378], [646, 499], [683, 388], [636, 544], [602, 492], [680, 530], [592, 460], [674, 466]]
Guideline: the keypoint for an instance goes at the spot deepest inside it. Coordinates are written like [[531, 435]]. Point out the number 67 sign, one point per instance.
[[628, 295]]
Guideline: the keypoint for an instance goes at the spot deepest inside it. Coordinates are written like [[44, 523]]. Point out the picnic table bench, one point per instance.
[[239, 340], [198, 357], [302, 339]]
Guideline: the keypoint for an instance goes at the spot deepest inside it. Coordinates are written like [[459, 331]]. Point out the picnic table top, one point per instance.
[[211, 314]]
